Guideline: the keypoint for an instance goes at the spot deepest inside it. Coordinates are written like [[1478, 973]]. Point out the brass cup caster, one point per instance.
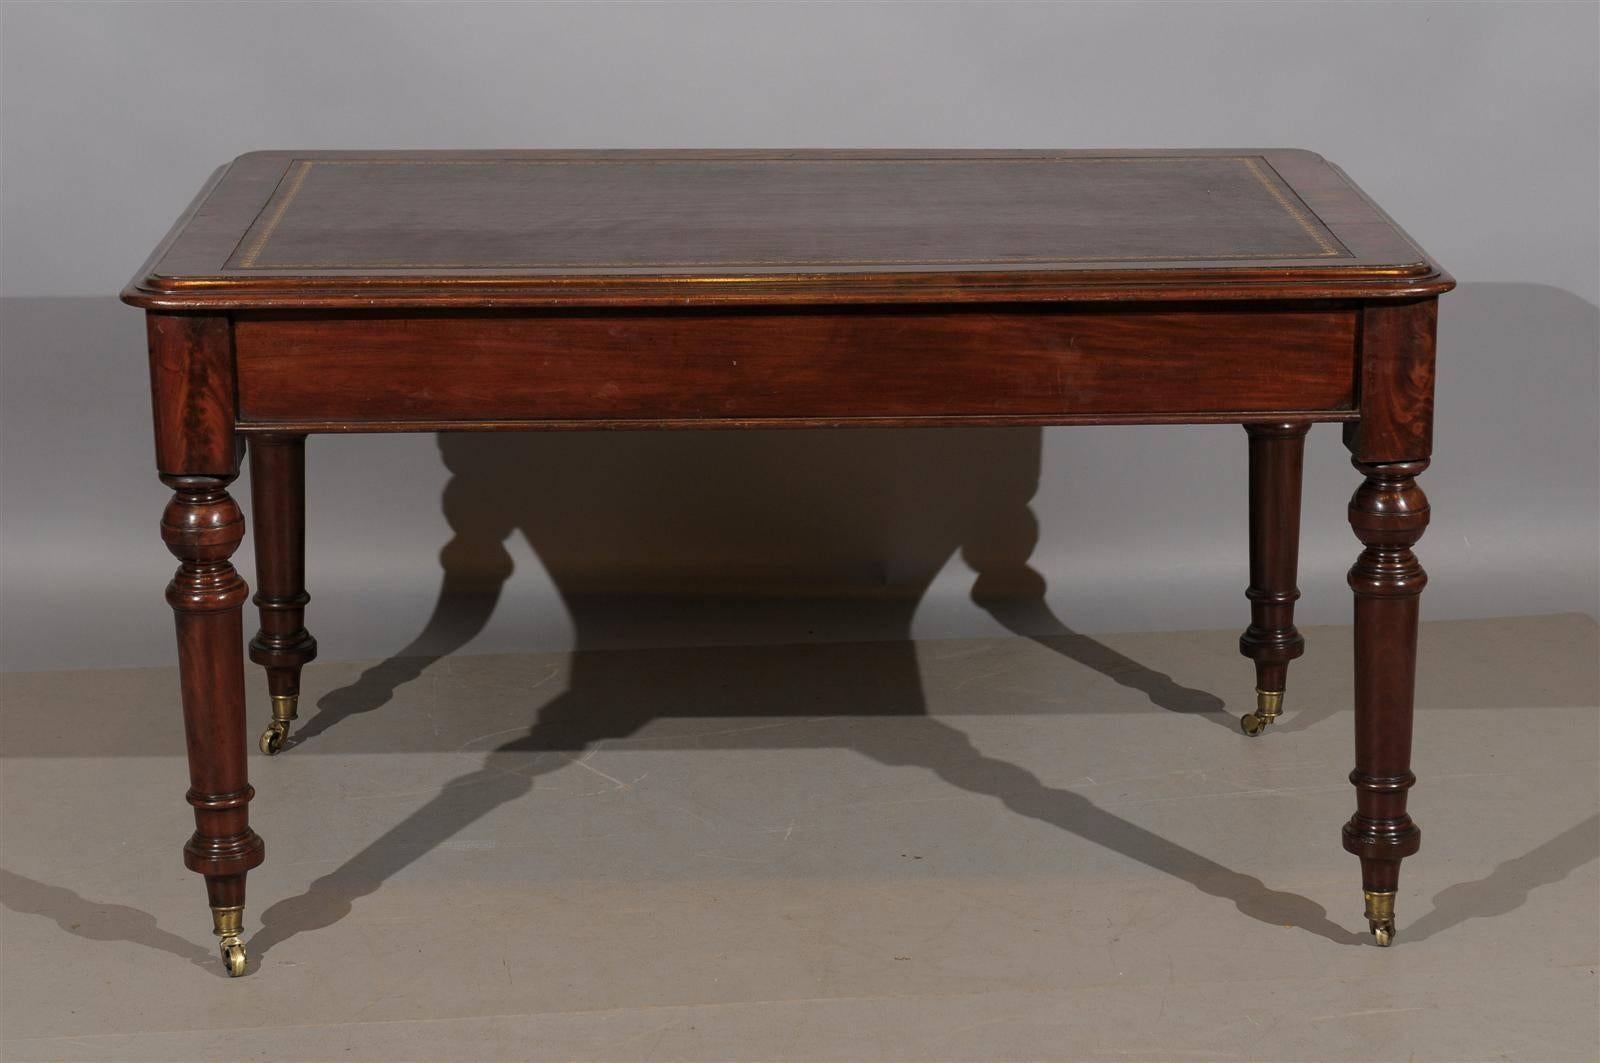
[[284, 713], [227, 924], [1380, 916], [1269, 706]]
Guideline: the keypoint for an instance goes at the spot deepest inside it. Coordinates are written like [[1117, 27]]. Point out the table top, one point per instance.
[[648, 228]]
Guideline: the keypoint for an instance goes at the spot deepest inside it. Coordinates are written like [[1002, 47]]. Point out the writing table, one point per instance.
[[326, 291]]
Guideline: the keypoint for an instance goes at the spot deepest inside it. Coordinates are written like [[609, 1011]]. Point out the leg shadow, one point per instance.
[[94, 921], [950, 755], [896, 502], [1013, 592], [1507, 887], [476, 567], [567, 728], [615, 695]]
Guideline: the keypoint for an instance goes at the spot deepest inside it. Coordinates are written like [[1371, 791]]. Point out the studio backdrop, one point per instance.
[[1475, 123]]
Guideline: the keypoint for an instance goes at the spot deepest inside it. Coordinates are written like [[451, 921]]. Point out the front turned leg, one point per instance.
[[1277, 457], [1389, 513], [283, 645], [202, 526]]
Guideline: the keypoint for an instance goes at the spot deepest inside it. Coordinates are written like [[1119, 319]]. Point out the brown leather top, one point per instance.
[[619, 228]]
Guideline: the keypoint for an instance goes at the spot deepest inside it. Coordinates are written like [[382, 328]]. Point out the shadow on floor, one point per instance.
[[1506, 888], [1499, 893], [871, 476], [96, 921]]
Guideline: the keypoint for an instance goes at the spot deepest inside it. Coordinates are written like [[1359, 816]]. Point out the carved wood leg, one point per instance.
[[283, 645], [202, 526], [1389, 513], [1277, 457]]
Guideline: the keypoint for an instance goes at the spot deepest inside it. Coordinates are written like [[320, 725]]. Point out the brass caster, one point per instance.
[[1380, 916], [233, 957], [273, 738], [284, 712], [1269, 706], [227, 923]]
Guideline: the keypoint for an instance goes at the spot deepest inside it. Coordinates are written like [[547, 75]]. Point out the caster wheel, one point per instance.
[[1249, 723], [233, 958], [1380, 916], [273, 738]]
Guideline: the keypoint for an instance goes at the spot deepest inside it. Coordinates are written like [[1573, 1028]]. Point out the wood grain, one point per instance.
[[202, 526], [419, 291], [690, 367], [191, 387], [671, 228], [1277, 462], [1389, 513], [282, 645], [1397, 369]]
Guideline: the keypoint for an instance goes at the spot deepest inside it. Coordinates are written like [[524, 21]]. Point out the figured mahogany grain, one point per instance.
[[1397, 369], [192, 393], [690, 367]]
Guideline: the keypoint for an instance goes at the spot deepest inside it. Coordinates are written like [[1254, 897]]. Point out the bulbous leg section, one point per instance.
[[1389, 513], [202, 527]]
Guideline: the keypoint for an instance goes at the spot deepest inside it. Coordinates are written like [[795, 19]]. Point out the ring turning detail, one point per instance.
[[1277, 456], [336, 292], [282, 646]]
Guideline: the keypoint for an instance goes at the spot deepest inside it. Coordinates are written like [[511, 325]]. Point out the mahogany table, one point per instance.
[[505, 291]]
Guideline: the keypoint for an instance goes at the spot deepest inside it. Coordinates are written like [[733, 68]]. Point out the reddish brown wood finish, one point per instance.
[[1397, 344], [202, 526], [404, 291], [772, 367], [1391, 445], [277, 496], [676, 228], [192, 390], [1277, 457], [1389, 513]]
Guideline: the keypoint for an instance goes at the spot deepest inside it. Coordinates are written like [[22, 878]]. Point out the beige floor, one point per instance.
[[974, 850]]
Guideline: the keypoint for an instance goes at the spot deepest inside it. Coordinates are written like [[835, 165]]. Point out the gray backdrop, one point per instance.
[[1473, 124]]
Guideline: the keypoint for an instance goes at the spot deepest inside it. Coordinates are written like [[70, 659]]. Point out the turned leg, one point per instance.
[[202, 526], [283, 645], [1389, 512], [1277, 453]]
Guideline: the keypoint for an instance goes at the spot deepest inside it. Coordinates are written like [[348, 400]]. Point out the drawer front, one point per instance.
[[1039, 366]]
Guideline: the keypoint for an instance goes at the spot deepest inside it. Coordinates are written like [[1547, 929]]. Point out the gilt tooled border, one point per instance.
[[295, 177]]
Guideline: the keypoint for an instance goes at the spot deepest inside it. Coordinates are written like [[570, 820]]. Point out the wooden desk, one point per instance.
[[506, 291]]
